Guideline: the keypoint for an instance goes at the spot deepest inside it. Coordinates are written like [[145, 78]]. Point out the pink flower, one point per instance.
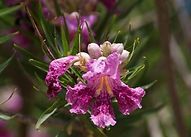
[[103, 84], [57, 68], [72, 24]]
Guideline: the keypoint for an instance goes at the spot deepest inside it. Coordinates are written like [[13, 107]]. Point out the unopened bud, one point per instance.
[[94, 50], [117, 47], [83, 58], [106, 48], [124, 55]]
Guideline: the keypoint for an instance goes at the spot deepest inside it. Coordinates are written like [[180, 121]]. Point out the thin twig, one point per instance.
[[42, 40]]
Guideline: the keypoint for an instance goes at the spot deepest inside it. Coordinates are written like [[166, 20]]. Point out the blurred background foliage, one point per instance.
[[32, 33]]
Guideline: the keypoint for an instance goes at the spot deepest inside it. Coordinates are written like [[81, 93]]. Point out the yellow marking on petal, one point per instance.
[[108, 87], [98, 91]]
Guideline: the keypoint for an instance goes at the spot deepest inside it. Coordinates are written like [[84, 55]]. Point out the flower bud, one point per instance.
[[106, 48], [83, 58], [124, 55], [94, 50], [117, 47]]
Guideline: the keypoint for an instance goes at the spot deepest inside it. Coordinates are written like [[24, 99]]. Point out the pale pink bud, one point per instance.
[[124, 55], [117, 47], [94, 50]]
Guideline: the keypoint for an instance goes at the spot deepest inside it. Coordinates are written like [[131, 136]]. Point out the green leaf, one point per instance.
[[24, 51], [136, 71], [4, 39], [136, 42], [46, 114], [9, 10], [149, 85], [40, 65], [5, 64], [76, 43], [47, 30], [116, 36], [78, 74], [6, 117], [65, 44]]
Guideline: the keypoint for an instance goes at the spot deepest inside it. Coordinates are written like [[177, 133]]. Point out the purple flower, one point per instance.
[[74, 20], [56, 69], [109, 4], [103, 84]]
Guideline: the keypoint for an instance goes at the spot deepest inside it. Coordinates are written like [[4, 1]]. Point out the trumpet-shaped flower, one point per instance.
[[103, 84]]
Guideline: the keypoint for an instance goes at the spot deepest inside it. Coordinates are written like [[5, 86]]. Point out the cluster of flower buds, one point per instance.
[[95, 51]]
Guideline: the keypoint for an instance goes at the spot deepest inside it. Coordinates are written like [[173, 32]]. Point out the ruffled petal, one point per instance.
[[112, 63], [102, 112], [57, 68], [128, 99], [79, 98], [103, 67]]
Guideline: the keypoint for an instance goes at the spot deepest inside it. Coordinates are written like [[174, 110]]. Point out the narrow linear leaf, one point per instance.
[[9, 10], [6, 117], [5, 64], [43, 118], [47, 113], [65, 44], [136, 71], [149, 85], [76, 43], [40, 65], [136, 42], [116, 36], [4, 39], [24, 51]]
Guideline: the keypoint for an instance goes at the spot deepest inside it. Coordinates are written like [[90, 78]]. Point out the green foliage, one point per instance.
[[6, 11], [47, 113], [5, 64]]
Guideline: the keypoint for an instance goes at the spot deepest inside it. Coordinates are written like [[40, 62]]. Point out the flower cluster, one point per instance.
[[102, 85]]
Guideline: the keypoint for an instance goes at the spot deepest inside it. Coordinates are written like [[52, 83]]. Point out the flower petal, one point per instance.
[[109, 67], [79, 97], [128, 99], [112, 64], [102, 112], [57, 68]]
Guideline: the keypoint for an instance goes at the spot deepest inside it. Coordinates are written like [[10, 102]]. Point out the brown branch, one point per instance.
[[164, 29]]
